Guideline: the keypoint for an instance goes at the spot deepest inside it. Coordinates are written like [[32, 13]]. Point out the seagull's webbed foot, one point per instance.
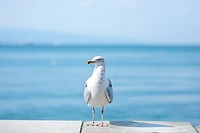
[[102, 124], [91, 124]]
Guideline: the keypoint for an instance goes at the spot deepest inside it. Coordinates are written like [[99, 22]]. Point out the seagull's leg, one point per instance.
[[93, 113], [102, 111], [102, 116]]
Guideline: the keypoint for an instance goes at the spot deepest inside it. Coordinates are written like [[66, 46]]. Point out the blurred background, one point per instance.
[[151, 48]]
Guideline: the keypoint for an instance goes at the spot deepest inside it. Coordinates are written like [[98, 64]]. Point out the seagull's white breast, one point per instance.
[[97, 87]]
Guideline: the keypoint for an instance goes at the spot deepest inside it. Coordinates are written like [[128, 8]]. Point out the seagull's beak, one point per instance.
[[90, 62]]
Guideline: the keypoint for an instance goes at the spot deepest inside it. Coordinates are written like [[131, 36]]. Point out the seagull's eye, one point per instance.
[[98, 59]]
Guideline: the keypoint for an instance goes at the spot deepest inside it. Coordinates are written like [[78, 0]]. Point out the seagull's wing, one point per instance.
[[87, 93], [109, 92]]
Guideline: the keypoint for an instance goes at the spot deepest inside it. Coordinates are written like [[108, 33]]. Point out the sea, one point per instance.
[[150, 83]]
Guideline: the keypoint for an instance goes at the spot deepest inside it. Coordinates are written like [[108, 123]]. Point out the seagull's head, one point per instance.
[[97, 60]]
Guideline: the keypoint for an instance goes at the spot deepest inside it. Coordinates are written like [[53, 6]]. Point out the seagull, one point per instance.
[[98, 89]]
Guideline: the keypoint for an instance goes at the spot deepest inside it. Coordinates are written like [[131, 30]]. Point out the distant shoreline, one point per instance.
[[98, 45]]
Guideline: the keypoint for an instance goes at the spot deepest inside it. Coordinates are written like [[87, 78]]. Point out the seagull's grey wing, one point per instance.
[[87, 93], [109, 92]]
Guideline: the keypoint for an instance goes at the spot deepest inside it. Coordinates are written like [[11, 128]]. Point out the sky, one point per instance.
[[145, 21]]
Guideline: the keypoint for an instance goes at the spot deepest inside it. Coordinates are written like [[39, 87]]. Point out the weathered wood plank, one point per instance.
[[198, 129], [140, 127], [39, 126]]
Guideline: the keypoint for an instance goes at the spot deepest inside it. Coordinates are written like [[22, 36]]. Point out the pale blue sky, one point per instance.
[[146, 21]]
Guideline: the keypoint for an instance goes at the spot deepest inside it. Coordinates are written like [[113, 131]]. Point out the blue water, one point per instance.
[[150, 82]]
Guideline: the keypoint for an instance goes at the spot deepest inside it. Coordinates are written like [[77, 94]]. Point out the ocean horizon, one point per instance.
[[158, 83]]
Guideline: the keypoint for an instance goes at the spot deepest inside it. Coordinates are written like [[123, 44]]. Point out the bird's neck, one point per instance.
[[99, 72]]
